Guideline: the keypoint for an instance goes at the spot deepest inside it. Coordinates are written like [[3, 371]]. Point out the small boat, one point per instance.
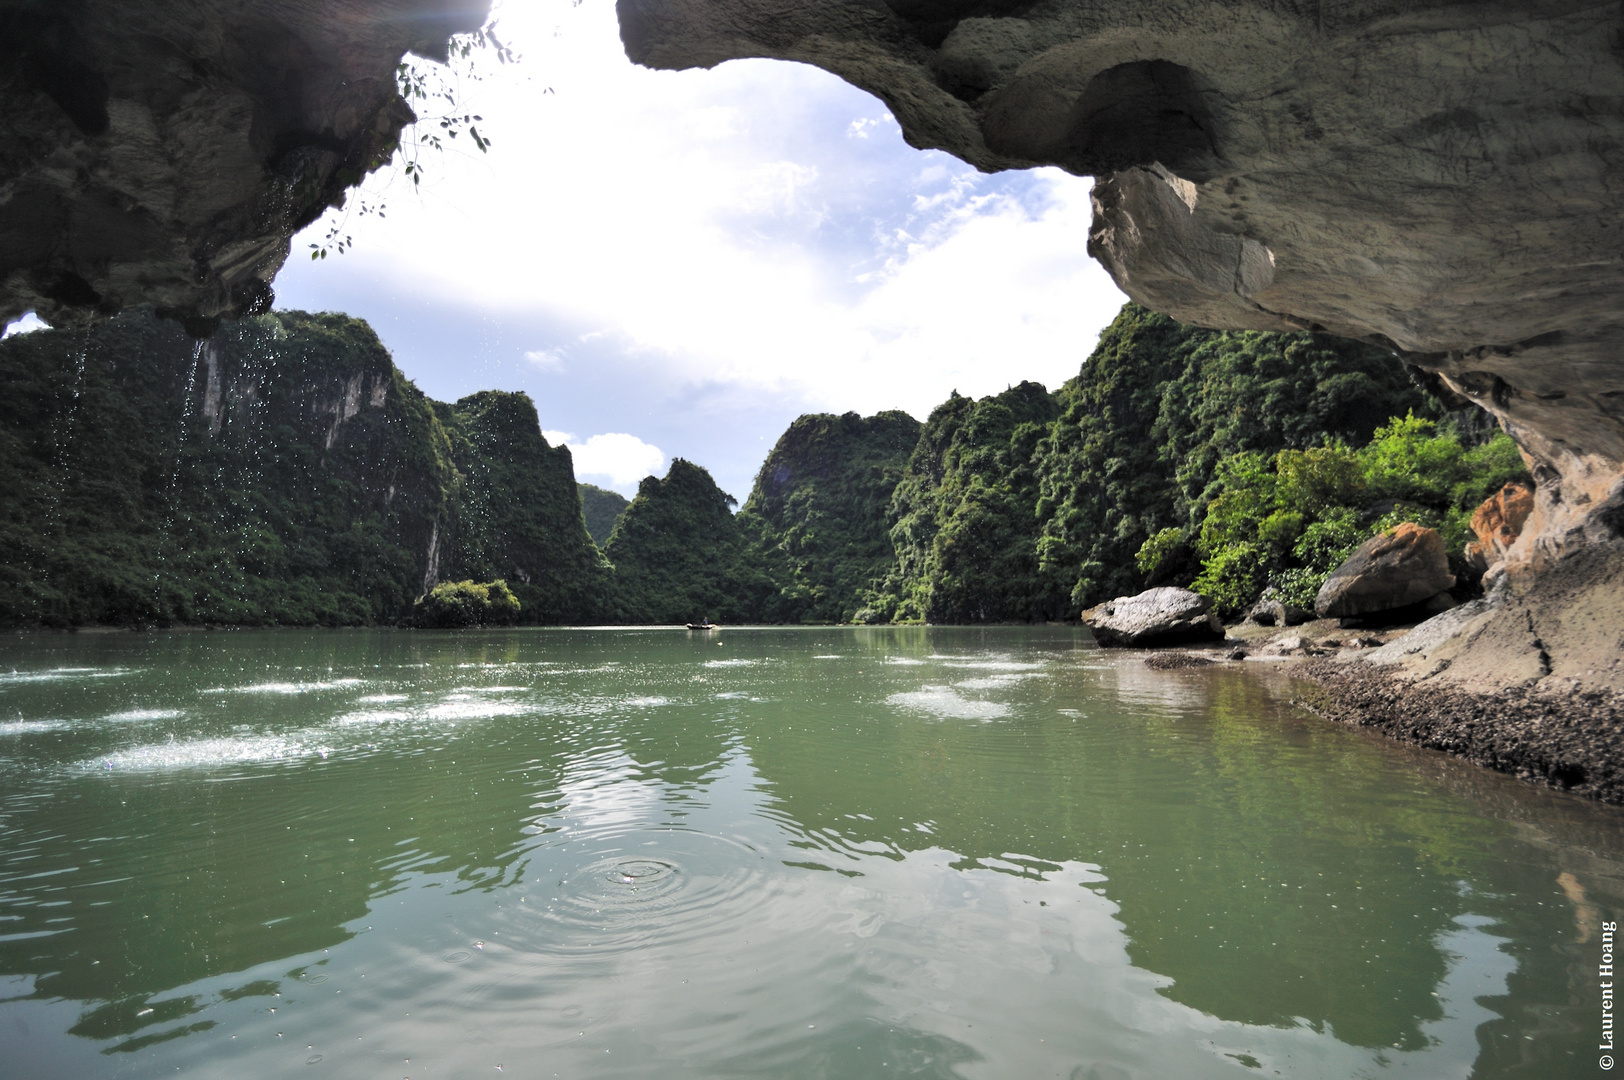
[[706, 625]]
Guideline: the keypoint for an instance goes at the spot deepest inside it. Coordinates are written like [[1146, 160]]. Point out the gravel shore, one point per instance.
[[1570, 739]]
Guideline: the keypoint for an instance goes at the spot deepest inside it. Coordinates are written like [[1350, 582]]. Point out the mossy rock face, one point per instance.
[[602, 509], [816, 517], [679, 555], [1157, 406], [964, 530], [455, 605], [283, 471], [516, 514], [1028, 505]]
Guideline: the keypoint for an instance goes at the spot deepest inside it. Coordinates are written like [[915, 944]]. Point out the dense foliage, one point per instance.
[[453, 605], [516, 514], [1155, 410], [286, 472], [964, 514], [1286, 521], [282, 472], [680, 556], [602, 508], [816, 517]]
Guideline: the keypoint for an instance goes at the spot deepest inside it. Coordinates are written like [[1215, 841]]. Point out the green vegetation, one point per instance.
[[453, 605], [1027, 505], [816, 517], [1156, 409], [680, 556], [1286, 521], [516, 514], [964, 515], [282, 472], [286, 472], [602, 509]]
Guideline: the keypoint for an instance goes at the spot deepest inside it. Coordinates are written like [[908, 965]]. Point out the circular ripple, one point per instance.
[[621, 903], [636, 880]]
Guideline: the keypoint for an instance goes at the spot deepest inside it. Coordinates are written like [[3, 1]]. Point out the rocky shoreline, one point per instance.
[[1563, 736]]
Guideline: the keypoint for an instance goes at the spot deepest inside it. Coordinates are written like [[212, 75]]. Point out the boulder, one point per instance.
[[1296, 644], [1403, 566], [1270, 610], [1154, 617], [1287, 645]]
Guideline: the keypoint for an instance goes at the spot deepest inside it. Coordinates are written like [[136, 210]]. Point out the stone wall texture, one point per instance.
[[164, 151]]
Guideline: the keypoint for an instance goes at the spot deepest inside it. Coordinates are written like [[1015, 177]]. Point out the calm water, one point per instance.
[[777, 853]]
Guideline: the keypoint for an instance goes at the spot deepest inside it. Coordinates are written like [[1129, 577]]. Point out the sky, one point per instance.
[[677, 264]]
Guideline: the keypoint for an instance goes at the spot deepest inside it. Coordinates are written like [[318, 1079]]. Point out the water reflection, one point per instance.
[[782, 853]]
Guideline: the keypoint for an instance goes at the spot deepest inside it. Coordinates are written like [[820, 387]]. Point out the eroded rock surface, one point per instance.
[[164, 151], [1439, 177], [1498, 522]]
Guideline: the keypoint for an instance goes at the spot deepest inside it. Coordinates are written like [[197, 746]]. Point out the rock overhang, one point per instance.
[[165, 151], [1438, 178]]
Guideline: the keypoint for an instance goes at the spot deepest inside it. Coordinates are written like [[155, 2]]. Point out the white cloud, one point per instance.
[[614, 456], [863, 126], [759, 226]]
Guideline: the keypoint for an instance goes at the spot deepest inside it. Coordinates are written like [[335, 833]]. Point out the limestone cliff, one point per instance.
[[281, 471], [817, 513], [516, 511], [164, 151], [1438, 178]]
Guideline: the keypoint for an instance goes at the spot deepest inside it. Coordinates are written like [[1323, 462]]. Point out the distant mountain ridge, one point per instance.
[[602, 509], [285, 472]]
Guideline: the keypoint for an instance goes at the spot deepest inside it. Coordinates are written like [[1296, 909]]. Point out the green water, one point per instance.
[[775, 853]]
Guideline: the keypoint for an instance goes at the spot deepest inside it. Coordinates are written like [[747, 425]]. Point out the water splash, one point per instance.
[[166, 538], [62, 436]]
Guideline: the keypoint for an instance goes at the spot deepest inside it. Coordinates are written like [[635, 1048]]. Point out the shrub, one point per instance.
[[1232, 578], [457, 604], [1293, 519], [1161, 552]]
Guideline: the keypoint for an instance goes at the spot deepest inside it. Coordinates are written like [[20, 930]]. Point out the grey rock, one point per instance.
[[164, 151], [1271, 611], [1403, 566], [1154, 617], [1427, 636], [1286, 645]]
